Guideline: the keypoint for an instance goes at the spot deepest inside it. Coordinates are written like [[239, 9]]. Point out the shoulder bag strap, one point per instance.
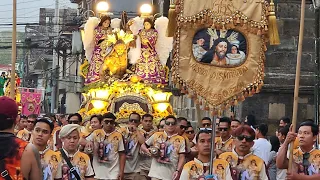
[[72, 169]]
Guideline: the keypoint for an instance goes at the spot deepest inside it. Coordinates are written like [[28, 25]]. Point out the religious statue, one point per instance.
[[96, 46], [115, 63], [152, 49]]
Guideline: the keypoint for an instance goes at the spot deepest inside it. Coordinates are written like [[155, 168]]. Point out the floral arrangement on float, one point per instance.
[[125, 68]]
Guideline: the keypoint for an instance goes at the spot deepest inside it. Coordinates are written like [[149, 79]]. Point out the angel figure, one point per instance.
[[95, 34], [153, 48]]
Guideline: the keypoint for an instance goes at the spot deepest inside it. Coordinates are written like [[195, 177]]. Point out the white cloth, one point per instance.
[[262, 148]]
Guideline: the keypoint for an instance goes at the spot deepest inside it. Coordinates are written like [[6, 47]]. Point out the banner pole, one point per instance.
[[297, 82], [213, 137]]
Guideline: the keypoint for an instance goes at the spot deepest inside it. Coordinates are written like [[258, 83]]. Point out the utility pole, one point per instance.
[[55, 74], [14, 49]]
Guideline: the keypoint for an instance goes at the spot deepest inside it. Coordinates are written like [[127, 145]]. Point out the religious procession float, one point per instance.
[[125, 68]]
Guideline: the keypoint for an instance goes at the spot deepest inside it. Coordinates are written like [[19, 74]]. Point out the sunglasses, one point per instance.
[[73, 122], [223, 129], [183, 127], [248, 138], [31, 121], [170, 123], [109, 122], [134, 120], [206, 124], [190, 132]]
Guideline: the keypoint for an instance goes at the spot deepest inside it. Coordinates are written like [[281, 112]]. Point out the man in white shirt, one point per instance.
[[262, 146]]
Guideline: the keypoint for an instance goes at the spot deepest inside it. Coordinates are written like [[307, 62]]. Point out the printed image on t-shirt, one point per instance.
[[49, 163], [308, 166], [67, 175], [168, 149]]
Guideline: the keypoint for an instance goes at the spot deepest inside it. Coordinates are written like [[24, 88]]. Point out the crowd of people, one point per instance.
[[67, 147]]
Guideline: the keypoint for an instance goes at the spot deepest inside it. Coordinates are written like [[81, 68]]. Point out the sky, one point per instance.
[[27, 11]]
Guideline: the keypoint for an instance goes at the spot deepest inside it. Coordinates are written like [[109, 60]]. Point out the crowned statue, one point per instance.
[[153, 48], [96, 45]]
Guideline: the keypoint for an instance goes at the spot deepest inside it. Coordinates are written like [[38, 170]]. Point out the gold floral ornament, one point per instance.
[[84, 68]]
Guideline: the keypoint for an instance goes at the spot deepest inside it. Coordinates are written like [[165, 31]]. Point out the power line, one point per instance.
[[29, 17], [36, 6], [18, 3], [33, 24]]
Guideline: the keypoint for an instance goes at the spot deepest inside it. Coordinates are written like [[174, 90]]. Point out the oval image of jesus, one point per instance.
[[226, 48]]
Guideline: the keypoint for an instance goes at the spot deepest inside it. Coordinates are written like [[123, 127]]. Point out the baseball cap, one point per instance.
[[8, 107]]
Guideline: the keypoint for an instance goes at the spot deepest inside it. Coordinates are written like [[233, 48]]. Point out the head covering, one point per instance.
[[67, 129], [8, 107]]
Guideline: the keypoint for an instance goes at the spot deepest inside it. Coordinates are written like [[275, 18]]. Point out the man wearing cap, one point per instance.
[[25, 134], [49, 159], [79, 164], [72, 119], [108, 150], [20, 160]]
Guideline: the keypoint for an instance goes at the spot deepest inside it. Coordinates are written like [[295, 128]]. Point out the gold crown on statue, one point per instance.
[[119, 35]]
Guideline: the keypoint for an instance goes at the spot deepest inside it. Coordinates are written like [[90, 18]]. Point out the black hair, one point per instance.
[[314, 127], [285, 120], [6, 122], [251, 120], [238, 51], [147, 115], [206, 118], [149, 20], [23, 117], [33, 116], [171, 117], [47, 121], [160, 123], [202, 131], [103, 19], [236, 120], [284, 130], [225, 119], [134, 113], [179, 119], [263, 129], [75, 114], [189, 124], [109, 115], [275, 143], [99, 117]]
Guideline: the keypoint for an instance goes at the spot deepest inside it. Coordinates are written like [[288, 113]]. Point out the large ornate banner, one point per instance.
[[220, 49], [31, 101]]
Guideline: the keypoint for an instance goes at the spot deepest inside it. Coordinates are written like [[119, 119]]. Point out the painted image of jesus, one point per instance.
[[222, 48], [217, 55]]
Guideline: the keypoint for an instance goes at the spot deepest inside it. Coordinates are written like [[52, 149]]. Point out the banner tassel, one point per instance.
[[172, 15], [273, 28]]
